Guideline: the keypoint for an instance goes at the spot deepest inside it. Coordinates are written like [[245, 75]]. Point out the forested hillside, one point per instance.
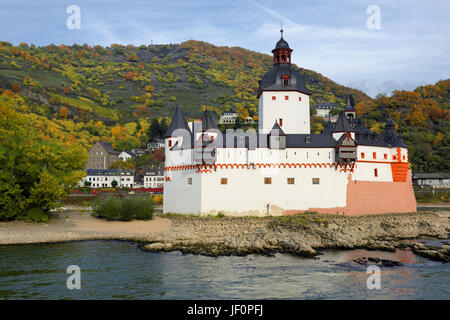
[[80, 94]]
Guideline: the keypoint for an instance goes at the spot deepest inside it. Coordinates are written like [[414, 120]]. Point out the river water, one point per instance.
[[120, 270]]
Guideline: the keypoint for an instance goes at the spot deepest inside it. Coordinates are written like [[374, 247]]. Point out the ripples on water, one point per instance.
[[120, 270]]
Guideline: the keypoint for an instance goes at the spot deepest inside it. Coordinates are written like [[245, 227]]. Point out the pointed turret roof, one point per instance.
[[349, 106], [276, 130], [178, 122], [208, 121], [343, 124]]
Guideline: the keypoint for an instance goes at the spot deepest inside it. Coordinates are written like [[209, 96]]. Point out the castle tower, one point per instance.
[[283, 96], [178, 138]]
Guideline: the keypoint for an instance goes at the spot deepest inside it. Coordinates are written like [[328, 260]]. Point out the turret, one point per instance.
[[349, 110]]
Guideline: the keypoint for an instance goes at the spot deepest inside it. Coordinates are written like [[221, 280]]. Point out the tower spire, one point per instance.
[[281, 30]]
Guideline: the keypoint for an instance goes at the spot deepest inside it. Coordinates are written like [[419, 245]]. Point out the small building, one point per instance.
[[154, 178], [126, 155], [139, 152], [228, 117], [435, 180], [155, 144], [323, 110], [101, 156], [104, 178]]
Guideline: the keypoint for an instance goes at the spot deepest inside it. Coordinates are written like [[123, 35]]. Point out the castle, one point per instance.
[[284, 169]]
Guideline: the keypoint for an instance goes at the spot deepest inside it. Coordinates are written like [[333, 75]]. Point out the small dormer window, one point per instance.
[[285, 79], [308, 139]]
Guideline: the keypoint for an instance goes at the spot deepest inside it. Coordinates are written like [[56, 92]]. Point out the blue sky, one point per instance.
[[328, 36]]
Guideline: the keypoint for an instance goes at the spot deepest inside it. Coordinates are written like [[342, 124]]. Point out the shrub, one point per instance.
[[125, 209], [37, 215]]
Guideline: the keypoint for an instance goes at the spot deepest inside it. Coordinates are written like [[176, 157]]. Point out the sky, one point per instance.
[[409, 48]]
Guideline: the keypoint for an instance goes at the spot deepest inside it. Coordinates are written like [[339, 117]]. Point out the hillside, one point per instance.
[[80, 94]]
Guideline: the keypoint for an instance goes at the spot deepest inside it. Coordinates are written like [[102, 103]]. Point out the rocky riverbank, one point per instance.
[[304, 235]]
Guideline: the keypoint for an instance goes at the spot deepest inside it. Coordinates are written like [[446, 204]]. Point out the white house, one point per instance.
[[436, 180], [284, 168], [228, 117], [154, 178], [125, 155], [155, 144], [104, 178], [323, 110]]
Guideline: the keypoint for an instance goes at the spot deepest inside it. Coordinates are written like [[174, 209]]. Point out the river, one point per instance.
[[120, 270]]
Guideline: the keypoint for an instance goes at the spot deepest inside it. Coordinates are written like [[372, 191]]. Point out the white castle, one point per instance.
[[283, 168]]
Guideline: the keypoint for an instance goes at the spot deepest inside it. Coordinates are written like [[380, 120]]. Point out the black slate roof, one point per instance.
[[276, 130], [343, 124], [208, 121], [178, 122], [325, 105], [108, 147], [349, 106], [272, 80], [282, 44]]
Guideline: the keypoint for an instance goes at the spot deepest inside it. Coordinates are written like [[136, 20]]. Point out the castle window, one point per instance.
[[374, 155], [404, 158], [170, 143], [290, 180], [394, 157], [363, 155], [286, 82], [375, 172], [267, 180], [281, 122], [223, 181], [299, 98], [189, 180], [274, 98], [286, 97], [385, 156], [315, 180]]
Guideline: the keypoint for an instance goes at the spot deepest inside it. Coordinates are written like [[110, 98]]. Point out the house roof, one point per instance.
[[343, 124], [109, 172], [276, 130], [325, 105], [272, 80], [108, 147], [435, 175]]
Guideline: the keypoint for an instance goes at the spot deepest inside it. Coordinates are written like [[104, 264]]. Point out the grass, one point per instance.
[[123, 209], [439, 196]]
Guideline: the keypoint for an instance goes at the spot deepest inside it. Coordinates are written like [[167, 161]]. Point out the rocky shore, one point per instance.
[[304, 235]]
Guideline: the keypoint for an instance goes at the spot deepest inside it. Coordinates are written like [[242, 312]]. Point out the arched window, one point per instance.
[[283, 58]]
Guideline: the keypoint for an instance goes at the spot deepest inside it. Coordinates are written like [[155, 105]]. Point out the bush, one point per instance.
[[37, 215], [125, 209]]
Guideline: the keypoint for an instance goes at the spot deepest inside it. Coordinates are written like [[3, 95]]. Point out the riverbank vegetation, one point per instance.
[[124, 209], [35, 171]]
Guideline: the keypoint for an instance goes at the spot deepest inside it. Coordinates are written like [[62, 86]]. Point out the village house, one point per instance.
[[323, 110], [101, 156], [126, 155], [154, 178], [103, 178], [435, 180], [155, 144]]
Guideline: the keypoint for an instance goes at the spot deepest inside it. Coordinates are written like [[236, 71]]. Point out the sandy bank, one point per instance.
[[70, 226]]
